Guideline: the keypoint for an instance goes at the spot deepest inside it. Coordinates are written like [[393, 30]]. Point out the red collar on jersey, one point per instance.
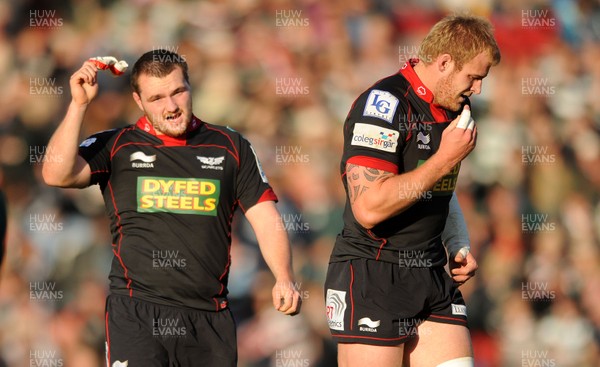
[[439, 113], [412, 77], [145, 125]]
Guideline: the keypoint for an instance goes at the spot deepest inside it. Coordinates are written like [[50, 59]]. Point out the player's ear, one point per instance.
[[444, 63], [138, 100]]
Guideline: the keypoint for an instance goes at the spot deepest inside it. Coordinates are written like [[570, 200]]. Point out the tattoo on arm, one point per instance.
[[360, 179]]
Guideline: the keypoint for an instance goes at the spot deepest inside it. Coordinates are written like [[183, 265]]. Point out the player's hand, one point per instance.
[[462, 268], [286, 298], [457, 142], [84, 86]]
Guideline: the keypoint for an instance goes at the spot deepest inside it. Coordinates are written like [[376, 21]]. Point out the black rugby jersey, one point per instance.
[[395, 127], [170, 203]]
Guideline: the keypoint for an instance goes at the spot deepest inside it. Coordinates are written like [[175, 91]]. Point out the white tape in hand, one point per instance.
[[464, 251], [117, 67], [471, 124], [465, 118]]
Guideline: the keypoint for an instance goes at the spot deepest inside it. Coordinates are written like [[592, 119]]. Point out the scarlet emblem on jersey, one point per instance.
[[178, 195], [373, 136], [381, 104], [214, 163]]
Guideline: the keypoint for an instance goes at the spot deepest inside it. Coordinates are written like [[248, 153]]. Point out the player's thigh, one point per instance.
[[437, 343], [364, 355]]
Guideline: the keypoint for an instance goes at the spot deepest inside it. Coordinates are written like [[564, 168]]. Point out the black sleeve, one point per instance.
[[96, 150], [252, 184], [371, 132]]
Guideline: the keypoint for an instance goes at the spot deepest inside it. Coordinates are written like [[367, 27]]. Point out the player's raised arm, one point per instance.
[[63, 167], [376, 195]]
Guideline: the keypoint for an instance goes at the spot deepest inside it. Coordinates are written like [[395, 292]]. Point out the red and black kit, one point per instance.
[[170, 202], [395, 127]]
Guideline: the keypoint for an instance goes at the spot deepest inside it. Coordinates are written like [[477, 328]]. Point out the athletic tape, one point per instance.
[[471, 124], [465, 118], [464, 251], [117, 67]]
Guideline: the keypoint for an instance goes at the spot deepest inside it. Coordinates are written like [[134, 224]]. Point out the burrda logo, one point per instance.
[[368, 325], [335, 309], [423, 140], [211, 162], [147, 161]]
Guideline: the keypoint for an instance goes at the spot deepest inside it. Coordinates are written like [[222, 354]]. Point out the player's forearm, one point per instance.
[[393, 195], [455, 235], [275, 248], [60, 163], [272, 239]]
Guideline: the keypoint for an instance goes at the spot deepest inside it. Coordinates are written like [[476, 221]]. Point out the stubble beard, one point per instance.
[[444, 95], [169, 128]]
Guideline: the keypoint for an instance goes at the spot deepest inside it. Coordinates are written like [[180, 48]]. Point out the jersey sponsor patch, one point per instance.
[[87, 142], [459, 310], [446, 185], [263, 176], [335, 308], [381, 104], [372, 136], [178, 195]]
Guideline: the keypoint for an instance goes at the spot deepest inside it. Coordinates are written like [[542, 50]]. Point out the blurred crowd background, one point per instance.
[[284, 73]]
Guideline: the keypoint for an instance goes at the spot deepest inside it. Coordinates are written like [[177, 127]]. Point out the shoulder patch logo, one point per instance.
[[381, 104], [335, 309], [211, 162], [120, 364], [263, 176], [87, 142], [373, 136]]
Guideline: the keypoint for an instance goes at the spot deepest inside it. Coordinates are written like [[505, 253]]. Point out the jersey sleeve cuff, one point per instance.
[[375, 163], [268, 195]]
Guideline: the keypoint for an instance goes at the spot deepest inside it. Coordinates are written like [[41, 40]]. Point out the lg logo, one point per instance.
[[382, 106]]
